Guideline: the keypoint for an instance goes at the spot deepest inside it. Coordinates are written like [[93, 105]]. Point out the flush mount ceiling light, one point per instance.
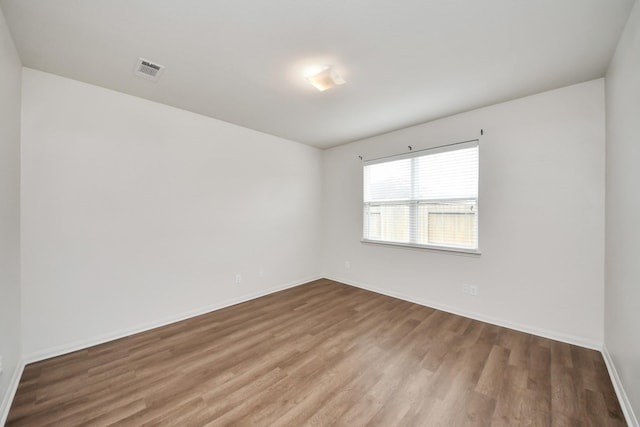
[[324, 78]]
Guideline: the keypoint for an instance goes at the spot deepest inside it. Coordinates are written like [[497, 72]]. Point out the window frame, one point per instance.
[[414, 203]]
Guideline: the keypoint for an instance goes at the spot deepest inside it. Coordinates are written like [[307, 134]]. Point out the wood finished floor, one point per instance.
[[322, 354]]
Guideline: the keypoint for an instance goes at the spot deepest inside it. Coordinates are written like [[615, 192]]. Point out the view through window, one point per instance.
[[427, 198]]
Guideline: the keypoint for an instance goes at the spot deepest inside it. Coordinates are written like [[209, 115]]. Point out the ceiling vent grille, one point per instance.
[[148, 70]]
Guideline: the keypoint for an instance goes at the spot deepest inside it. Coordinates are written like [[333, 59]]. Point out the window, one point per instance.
[[427, 198]]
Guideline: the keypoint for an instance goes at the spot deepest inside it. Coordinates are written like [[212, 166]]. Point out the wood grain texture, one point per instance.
[[322, 354]]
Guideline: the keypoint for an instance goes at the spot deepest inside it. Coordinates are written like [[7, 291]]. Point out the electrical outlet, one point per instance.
[[473, 290], [238, 278], [465, 289], [261, 272], [347, 264]]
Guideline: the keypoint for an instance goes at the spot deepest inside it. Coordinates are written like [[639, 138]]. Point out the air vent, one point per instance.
[[148, 70]]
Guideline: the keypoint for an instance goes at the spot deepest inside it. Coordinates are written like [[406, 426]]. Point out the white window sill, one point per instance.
[[441, 249]]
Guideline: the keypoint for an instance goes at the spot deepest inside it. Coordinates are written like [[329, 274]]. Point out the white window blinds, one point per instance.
[[427, 198]]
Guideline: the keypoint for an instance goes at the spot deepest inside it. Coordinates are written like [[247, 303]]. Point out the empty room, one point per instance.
[[329, 213]]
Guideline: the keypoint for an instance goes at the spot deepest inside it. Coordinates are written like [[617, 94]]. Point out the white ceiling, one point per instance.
[[242, 61]]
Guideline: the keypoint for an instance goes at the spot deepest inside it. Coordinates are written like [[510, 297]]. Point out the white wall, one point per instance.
[[622, 285], [134, 213], [541, 217], [10, 75]]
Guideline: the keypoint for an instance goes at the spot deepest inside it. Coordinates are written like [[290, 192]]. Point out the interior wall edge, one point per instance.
[[11, 392], [554, 335], [625, 403], [83, 344]]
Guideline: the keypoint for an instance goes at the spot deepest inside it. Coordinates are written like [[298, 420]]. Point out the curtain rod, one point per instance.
[[421, 150]]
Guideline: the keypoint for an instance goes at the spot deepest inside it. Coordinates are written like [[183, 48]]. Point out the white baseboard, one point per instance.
[[629, 415], [554, 335], [11, 392], [82, 344]]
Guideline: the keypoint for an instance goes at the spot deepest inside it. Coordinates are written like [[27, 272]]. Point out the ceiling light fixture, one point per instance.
[[324, 78]]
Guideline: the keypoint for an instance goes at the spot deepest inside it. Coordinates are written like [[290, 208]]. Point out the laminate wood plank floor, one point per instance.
[[322, 354]]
